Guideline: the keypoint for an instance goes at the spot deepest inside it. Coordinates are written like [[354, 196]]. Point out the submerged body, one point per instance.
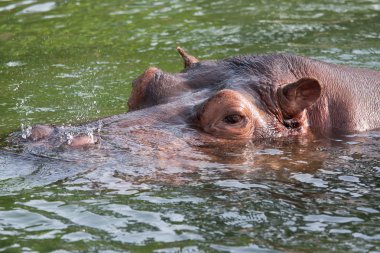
[[241, 98]]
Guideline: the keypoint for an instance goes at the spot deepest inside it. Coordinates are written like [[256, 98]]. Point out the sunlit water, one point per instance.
[[68, 62]]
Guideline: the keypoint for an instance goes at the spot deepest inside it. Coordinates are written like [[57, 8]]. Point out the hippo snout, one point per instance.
[[60, 136]]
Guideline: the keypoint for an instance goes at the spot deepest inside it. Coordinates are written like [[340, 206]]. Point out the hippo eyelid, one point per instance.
[[157, 76]]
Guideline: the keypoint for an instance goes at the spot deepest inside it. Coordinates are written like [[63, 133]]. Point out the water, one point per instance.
[[70, 62]]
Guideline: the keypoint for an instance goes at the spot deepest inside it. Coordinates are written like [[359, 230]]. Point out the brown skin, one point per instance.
[[250, 97], [269, 96]]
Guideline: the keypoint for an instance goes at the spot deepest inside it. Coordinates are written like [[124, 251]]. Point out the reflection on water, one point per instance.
[[298, 196], [65, 62]]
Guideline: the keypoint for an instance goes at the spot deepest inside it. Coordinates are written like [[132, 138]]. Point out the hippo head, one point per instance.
[[240, 98]]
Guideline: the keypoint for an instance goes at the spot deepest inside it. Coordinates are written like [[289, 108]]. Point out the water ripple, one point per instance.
[[28, 221], [44, 7]]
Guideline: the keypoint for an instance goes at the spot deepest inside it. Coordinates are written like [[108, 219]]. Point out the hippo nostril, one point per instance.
[[40, 132]]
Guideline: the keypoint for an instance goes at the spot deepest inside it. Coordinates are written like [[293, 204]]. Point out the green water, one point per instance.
[[68, 62]]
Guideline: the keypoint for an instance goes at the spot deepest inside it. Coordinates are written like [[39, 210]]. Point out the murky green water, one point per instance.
[[72, 61]]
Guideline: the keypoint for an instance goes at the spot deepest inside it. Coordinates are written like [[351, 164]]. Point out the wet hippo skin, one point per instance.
[[245, 98]]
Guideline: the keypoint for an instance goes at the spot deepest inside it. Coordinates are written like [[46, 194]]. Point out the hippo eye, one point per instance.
[[233, 119], [228, 114]]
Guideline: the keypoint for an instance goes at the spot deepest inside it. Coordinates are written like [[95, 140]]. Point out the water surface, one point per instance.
[[68, 62]]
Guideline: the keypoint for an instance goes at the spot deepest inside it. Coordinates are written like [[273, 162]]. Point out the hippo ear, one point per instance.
[[295, 97], [188, 59]]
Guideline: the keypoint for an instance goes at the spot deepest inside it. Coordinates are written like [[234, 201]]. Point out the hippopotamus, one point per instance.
[[242, 98]]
